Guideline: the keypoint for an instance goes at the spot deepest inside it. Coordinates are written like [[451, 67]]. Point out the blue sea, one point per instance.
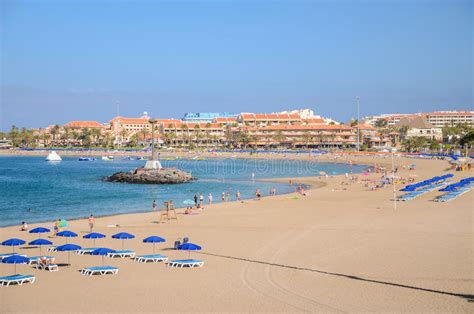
[[34, 190]]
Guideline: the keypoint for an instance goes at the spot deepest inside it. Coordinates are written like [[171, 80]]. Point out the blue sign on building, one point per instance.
[[206, 116]]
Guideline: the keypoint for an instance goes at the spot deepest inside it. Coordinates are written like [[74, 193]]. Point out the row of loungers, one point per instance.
[[16, 279], [452, 195], [415, 194]]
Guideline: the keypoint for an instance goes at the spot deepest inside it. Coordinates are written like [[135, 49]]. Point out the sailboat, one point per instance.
[[53, 156]]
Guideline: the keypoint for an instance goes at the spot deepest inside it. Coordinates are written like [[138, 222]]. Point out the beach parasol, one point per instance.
[[94, 235], [40, 242], [153, 239], [16, 259], [13, 242], [123, 236], [68, 248], [102, 251], [62, 223], [39, 231], [67, 234], [189, 247]]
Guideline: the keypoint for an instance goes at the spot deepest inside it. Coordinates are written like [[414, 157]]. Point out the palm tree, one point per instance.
[[14, 136], [123, 135]]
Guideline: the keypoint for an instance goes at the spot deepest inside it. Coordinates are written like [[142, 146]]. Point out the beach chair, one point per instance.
[[35, 259], [154, 258], [16, 279], [122, 254], [52, 249], [48, 267], [181, 263], [99, 270], [85, 251]]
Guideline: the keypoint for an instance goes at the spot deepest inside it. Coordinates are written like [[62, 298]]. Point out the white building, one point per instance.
[[420, 127]]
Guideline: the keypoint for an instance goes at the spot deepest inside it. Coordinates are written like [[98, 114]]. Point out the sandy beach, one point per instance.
[[342, 248]]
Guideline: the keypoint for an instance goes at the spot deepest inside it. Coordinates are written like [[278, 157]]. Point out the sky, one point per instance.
[[89, 60]]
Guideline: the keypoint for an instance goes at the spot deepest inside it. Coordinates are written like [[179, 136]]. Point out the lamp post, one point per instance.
[[358, 122]]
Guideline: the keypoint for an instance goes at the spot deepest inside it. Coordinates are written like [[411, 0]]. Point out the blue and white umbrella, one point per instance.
[[154, 239], [68, 248], [40, 242], [67, 234], [189, 247], [16, 259], [40, 230], [102, 251], [13, 242], [123, 236], [94, 235]]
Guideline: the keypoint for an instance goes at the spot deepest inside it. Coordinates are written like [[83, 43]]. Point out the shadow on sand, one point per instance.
[[467, 297]]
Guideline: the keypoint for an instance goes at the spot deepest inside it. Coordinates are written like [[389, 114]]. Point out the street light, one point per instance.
[[358, 122]]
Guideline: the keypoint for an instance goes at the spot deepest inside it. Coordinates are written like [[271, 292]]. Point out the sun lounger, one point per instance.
[[48, 267], [122, 254], [154, 258], [52, 249], [180, 263], [85, 251], [16, 279], [35, 259], [99, 270]]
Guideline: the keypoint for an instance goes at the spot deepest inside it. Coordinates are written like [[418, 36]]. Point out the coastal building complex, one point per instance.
[[288, 129], [438, 119]]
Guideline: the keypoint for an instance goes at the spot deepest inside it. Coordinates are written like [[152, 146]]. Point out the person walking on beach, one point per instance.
[[209, 198], [201, 199], [153, 205], [91, 222], [195, 200], [237, 195], [56, 226], [258, 194], [223, 196]]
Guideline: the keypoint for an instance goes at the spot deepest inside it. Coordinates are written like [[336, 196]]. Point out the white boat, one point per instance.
[[107, 157], [53, 156]]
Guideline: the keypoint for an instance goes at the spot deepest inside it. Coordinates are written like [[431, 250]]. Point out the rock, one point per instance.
[[151, 176]]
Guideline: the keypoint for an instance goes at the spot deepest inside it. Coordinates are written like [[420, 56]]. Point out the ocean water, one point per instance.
[[34, 190]]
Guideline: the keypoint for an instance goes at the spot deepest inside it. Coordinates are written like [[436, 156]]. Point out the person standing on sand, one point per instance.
[[195, 199], [209, 198], [91, 222], [258, 194], [223, 196], [237, 195], [153, 205], [201, 199]]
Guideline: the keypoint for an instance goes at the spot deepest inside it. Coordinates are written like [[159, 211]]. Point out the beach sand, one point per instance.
[[334, 250]]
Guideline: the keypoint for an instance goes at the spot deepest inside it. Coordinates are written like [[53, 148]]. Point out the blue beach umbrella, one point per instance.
[[68, 248], [123, 236], [16, 259], [153, 239], [13, 242], [67, 234], [39, 231], [102, 251], [189, 247], [40, 242], [94, 235]]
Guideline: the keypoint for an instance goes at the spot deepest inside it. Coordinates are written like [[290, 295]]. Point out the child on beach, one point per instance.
[[24, 226]]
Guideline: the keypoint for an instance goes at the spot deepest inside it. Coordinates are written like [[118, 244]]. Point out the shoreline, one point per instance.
[[323, 252]]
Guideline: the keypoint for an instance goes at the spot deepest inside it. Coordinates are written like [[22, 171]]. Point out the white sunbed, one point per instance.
[[52, 249], [99, 270], [35, 259], [16, 279], [48, 267], [154, 258], [122, 254], [181, 263], [85, 251]]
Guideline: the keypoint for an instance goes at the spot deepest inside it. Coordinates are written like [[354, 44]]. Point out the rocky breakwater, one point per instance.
[[152, 176]]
